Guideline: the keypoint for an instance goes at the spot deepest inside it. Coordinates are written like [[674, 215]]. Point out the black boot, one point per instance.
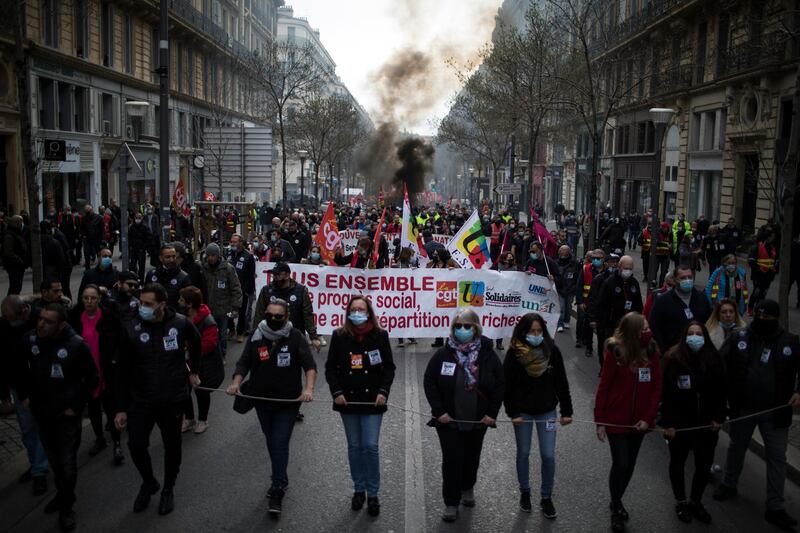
[[167, 503], [358, 501], [143, 498], [373, 506]]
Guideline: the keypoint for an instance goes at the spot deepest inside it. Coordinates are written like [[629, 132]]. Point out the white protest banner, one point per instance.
[[349, 240], [422, 302]]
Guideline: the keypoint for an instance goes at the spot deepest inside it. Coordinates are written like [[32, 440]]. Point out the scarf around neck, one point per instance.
[[359, 332], [264, 331], [467, 354], [533, 359]]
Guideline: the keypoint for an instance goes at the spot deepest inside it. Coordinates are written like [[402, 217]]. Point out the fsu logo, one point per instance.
[[446, 294], [471, 293]]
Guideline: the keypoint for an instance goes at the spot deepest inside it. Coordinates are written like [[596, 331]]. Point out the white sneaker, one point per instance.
[[560, 329], [322, 341], [566, 326], [201, 427], [187, 425]]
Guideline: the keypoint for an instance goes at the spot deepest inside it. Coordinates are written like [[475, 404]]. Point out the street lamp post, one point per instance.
[[469, 192], [302, 154], [661, 116]]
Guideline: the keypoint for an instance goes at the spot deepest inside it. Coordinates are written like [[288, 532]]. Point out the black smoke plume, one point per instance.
[[416, 160]]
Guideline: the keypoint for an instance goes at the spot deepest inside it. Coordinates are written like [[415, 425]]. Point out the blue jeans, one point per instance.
[[547, 451], [222, 326], [277, 425], [566, 305], [30, 438], [363, 432]]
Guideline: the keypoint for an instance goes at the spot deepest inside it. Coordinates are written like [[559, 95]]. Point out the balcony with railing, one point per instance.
[[651, 12], [769, 50], [203, 24]]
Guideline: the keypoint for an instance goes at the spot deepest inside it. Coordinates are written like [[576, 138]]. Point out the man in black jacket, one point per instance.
[[595, 312], [140, 240], [169, 275], [104, 275], [193, 269], [619, 295], [15, 254], [92, 230], [763, 363], [124, 295], [298, 240], [59, 379], [153, 388], [674, 309], [245, 265], [567, 284]]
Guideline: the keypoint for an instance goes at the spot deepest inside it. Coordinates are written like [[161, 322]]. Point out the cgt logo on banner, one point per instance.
[[423, 302]]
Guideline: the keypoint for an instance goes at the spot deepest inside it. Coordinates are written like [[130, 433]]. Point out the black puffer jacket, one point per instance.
[[98, 276], [440, 387], [693, 393], [153, 360], [173, 281], [534, 396], [360, 370]]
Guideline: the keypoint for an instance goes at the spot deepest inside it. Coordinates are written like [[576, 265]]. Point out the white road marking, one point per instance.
[[415, 486]]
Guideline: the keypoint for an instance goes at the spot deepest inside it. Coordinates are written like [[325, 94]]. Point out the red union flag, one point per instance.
[[328, 235], [209, 197], [179, 198]]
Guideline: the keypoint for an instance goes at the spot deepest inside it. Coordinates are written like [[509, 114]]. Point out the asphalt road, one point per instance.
[[225, 475]]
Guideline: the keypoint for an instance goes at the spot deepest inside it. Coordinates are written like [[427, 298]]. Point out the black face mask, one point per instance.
[[183, 309], [765, 327], [275, 324]]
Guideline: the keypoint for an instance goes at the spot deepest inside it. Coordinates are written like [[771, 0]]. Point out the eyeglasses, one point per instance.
[[462, 326], [274, 317]]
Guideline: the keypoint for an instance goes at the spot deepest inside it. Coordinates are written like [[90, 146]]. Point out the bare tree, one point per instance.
[[282, 73]]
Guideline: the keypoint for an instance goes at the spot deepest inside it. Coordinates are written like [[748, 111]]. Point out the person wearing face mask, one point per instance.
[[160, 353], [592, 267], [763, 364], [464, 381], [595, 312], [92, 232], [674, 309], [224, 293], [276, 356], [728, 281], [211, 370], [693, 394], [539, 263], [104, 275], [360, 368], [506, 262], [277, 242], [730, 236], [567, 285], [315, 257], [536, 383], [627, 395], [724, 321], [298, 240], [169, 274], [619, 295], [58, 380], [96, 320]]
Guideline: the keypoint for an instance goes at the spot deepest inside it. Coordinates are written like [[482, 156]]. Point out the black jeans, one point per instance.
[[461, 456], [97, 406], [761, 283], [138, 261], [203, 405], [61, 438], [141, 420], [602, 335], [15, 276], [702, 443], [624, 451]]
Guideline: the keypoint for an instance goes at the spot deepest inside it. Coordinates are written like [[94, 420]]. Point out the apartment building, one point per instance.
[[90, 58], [729, 70]]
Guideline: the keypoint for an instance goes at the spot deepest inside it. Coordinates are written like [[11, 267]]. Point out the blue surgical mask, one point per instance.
[[357, 318], [612, 269], [727, 325], [147, 314], [730, 268], [534, 340], [315, 256], [105, 262], [534, 256], [686, 285], [695, 342], [597, 263], [463, 335]]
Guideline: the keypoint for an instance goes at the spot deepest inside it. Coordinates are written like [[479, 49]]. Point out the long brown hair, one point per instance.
[[708, 355], [347, 327], [625, 345]]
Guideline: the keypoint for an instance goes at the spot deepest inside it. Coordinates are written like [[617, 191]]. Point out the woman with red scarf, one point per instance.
[[360, 369]]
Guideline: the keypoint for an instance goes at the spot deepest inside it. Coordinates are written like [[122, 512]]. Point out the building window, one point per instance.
[[65, 107], [107, 33], [700, 63], [107, 114], [47, 104], [181, 128], [180, 68], [724, 23], [704, 194], [81, 120], [154, 55], [81, 29], [156, 122], [50, 23], [127, 43], [190, 73], [291, 34]]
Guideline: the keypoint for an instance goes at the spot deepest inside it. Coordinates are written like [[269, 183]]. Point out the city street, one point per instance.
[[225, 475]]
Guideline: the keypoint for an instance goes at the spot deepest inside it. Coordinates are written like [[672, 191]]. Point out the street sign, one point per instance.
[[508, 188]]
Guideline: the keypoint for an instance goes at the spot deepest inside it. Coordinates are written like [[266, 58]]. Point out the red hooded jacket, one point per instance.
[[625, 395], [209, 336]]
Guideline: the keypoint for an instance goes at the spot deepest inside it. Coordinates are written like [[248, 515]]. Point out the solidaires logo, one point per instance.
[[471, 293]]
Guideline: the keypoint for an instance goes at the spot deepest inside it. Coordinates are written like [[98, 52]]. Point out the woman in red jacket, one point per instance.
[[626, 403], [212, 369]]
